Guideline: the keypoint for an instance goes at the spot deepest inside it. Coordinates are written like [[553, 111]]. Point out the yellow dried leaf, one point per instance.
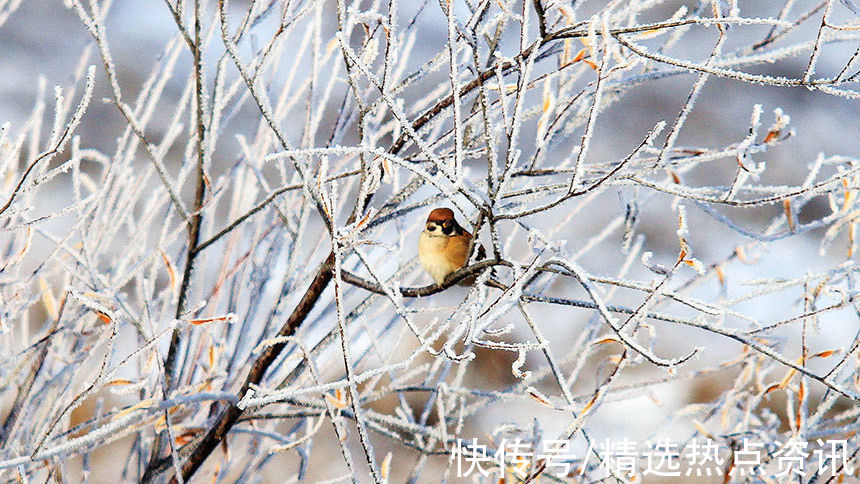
[[695, 264], [386, 466], [790, 374], [48, 300], [579, 55], [850, 198], [742, 255], [142, 404], [519, 468], [184, 438], [565, 53], [362, 221], [589, 405], [798, 416], [772, 388], [826, 354], [786, 206], [331, 45], [547, 97], [171, 272], [200, 321], [606, 340], [649, 33], [340, 399], [119, 382], [567, 13], [540, 398]]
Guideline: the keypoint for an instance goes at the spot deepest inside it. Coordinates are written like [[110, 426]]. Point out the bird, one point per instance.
[[443, 246]]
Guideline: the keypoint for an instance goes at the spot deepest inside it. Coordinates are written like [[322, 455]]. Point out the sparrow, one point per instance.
[[443, 246]]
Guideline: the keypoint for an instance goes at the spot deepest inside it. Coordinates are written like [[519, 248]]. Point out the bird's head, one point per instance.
[[441, 223]]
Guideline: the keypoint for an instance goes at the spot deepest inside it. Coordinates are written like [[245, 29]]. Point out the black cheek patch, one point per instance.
[[447, 229]]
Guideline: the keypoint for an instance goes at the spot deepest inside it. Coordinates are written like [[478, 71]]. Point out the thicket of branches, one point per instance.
[[230, 288]]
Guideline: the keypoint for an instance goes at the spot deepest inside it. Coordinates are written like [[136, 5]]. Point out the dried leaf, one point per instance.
[[48, 300], [142, 404], [772, 388], [606, 340], [216, 473], [539, 397], [385, 469], [118, 382], [695, 264], [727, 476], [331, 45], [362, 221], [786, 206], [171, 272], [226, 449], [826, 354], [340, 399], [850, 198], [547, 95], [567, 13], [798, 416], [790, 374], [187, 437], [721, 276], [742, 255], [227, 318], [646, 34], [565, 53], [589, 405]]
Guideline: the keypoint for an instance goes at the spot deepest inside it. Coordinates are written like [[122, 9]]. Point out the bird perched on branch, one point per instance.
[[443, 246]]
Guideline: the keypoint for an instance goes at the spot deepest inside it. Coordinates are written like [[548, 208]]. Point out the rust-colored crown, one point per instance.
[[440, 215]]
